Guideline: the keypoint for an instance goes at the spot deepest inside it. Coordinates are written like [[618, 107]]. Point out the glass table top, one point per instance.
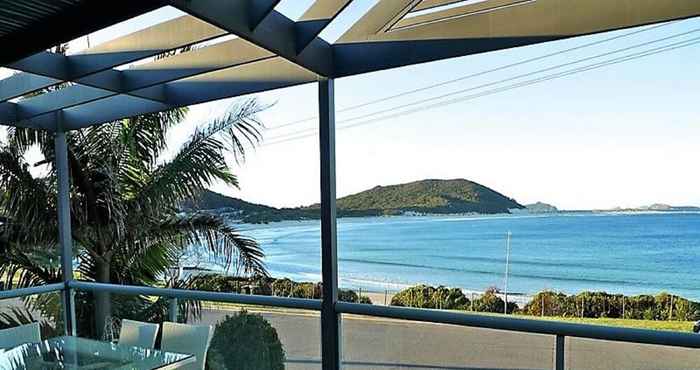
[[80, 353]]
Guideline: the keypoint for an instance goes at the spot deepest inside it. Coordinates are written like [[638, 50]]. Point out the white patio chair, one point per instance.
[[191, 339], [138, 334], [18, 335]]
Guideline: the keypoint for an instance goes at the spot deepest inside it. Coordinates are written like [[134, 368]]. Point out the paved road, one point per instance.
[[392, 344]]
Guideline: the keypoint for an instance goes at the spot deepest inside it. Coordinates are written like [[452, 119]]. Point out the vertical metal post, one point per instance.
[[330, 319], [623, 306], [505, 283], [64, 229], [173, 310], [559, 354]]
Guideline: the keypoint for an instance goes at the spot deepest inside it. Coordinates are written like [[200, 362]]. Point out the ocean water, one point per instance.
[[614, 252]]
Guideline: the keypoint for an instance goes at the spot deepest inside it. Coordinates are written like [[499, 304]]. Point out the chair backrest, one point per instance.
[[138, 334], [192, 339], [13, 337]]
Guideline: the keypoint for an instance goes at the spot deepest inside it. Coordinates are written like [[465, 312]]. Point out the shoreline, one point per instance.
[[518, 213], [379, 296]]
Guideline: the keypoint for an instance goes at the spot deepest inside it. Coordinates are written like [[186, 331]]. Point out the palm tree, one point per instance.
[[126, 192]]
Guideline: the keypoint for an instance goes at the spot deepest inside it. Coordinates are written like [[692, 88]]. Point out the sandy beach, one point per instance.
[[380, 298]]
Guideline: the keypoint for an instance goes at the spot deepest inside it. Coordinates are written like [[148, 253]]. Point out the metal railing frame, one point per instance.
[[35, 290], [199, 295], [560, 330]]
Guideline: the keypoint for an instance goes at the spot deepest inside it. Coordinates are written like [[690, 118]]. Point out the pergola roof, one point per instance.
[[270, 51], [30, 26]]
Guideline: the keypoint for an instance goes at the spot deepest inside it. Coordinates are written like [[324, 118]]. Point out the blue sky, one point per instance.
[[623, 135]]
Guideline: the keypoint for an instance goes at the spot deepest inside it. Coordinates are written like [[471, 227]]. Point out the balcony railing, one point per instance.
[[568, 342]]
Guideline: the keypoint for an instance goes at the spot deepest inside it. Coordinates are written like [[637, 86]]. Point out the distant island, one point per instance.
[[458, 196], [540, 207], [657, 207]]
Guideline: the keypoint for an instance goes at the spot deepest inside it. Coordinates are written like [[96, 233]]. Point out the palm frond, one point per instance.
[[20, 139], [19, 316], [239, 125], [144, 259], [145, 135], [221, 239], [24, 199], [25, 261], [201, 162]]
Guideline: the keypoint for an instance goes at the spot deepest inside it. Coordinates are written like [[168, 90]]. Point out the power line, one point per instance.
[[574, 71], [494, 83], [478, 74], [506, 88]]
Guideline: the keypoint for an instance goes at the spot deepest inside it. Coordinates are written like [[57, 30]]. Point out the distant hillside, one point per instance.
[[211, 200], [240, 210], [419, 197], [428, 196]]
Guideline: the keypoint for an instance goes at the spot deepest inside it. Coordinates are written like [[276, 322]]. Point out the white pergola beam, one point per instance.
[[275, 32], [250, 78], [319, 15], [267, 74], [44, 64], [82, 67], [142, 80], [208, 59], [19, 84]]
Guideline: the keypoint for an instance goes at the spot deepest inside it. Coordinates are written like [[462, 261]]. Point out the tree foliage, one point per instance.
[[127, 185], [425, 296], [663, 306], [263, 285]]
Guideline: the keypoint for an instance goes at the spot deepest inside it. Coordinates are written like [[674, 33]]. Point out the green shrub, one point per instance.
[[491, 302], [425, 296], [346, 295], [307, 290], [245, 342]]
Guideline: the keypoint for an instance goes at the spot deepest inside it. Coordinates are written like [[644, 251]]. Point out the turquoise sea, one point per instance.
[[615, 252]]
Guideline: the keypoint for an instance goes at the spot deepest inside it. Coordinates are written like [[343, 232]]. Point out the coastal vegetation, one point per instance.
[[663, 306], [457, 196], [585, 305], [426, 296], [264, 285]]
